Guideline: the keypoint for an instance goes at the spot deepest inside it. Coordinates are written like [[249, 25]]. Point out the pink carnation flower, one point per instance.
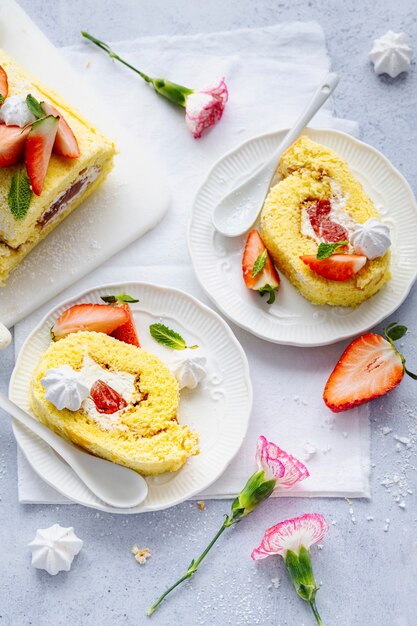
[[204, 108], [291, 535], [278, 464]]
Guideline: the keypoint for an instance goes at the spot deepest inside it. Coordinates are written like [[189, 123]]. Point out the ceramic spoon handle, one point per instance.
[[5, 337]]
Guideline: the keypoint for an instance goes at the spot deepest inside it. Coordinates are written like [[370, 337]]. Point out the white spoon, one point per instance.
[[116, 485], [5, 336], [237, 211]]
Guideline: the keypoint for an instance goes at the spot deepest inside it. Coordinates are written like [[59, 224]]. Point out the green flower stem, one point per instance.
[[172, 91], [316, 613], [229, 521]]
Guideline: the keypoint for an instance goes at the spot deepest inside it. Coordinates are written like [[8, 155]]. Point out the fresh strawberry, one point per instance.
[[65, 142], [106, 399], [369, 367], [94, 317], [4, 85], [258, 270], [12, 144], [126, 332], [39, 149], [336, 267]]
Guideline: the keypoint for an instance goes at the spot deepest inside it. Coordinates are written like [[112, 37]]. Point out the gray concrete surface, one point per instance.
[[367, 566]]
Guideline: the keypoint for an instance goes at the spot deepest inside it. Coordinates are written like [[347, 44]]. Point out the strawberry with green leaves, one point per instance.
[[258, 270], [127, 331], [38, 150], [370, 367]]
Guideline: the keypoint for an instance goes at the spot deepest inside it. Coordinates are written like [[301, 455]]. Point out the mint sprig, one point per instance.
[[123, 297], [326, 249], [168, 337], [19, 195], [259, 263], [34, 106], [1, 98]]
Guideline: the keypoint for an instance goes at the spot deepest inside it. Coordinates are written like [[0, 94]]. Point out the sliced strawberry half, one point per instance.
[[338, 267], [106, 399], [38, 150], [126, 332], [65, 142], [370, 367], [12, 144], [4, 85], [93, 317], [258, 270]]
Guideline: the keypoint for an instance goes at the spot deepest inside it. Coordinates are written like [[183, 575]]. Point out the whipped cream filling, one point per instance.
[[337, 214], [74, 191], [122, 382]]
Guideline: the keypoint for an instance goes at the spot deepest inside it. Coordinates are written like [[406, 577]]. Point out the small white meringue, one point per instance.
[[15, 112], [371, 238], [189, 368], [65, 388], [391, 54], [54, 548]]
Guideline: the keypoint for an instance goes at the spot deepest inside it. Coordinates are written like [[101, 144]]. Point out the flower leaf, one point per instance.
[[34, 106], [259, 264], [123, 297], [167, 337], [395, 331], [326, 249], [19, 195]]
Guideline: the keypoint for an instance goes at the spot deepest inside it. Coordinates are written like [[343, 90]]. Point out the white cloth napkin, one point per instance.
[[271, 73]]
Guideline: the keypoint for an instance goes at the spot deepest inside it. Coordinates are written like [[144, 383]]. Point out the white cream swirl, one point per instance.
[[189, 368], [15, 112], [371, 238], [65, 388]]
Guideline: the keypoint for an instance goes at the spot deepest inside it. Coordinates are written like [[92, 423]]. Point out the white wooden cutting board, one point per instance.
[[123, 209]]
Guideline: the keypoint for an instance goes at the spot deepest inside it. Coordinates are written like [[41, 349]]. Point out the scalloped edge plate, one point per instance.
[[225, 396], [293, 320]]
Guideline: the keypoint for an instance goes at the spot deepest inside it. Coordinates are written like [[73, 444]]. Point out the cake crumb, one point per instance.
[[140, 554], [385, 430], [201, 505]]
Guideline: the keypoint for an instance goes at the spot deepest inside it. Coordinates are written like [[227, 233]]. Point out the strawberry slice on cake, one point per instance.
[[258, 270], [92, 317], [370, 367]]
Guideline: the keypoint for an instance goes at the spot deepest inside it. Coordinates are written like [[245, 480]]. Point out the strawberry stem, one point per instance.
[[393, 332]]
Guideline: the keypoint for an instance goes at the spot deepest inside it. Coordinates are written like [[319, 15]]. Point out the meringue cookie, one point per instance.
[[54, 548], [391, 54], [189, 368], [15, 112], [371, 238], [65, 388]]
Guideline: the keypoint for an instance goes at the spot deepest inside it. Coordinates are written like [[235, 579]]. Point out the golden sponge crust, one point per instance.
[[307, 170], [147, 437]]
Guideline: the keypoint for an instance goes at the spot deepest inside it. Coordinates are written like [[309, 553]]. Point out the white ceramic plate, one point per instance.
[[121, 211], [292, 319], [218, 409]]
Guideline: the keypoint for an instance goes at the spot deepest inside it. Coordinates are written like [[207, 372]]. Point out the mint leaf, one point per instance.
[[395, 331], [123, 297], [1, 99], [34, 106], [326, 249], [19, 195], [168, 337], [259, 263]]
